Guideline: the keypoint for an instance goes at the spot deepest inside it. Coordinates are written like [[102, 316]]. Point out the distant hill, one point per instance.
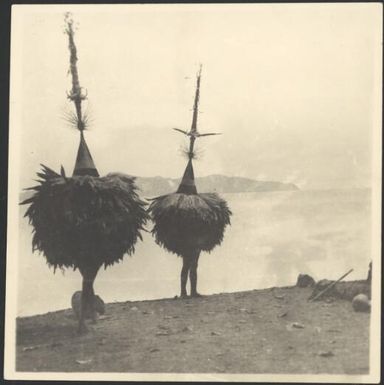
[[154, 186], [157, 185]]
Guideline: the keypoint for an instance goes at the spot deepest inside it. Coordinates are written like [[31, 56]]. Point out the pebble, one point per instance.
[[294, 325], [283, 314], [298, 325], [305, 280], [84, 362], [28, 348], [328, 353]]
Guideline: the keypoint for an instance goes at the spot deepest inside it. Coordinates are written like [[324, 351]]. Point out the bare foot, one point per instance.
[[196, 295]]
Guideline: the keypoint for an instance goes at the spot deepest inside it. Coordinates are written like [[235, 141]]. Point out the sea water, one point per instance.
[[273, 237]]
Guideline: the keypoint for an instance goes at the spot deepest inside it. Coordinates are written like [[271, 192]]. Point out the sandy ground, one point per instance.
[[261, 331]]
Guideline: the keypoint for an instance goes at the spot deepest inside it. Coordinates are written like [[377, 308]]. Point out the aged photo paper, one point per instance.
[[195, 193]]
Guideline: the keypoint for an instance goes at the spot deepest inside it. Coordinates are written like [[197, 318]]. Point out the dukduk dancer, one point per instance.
[[84, 221], [186, 222]]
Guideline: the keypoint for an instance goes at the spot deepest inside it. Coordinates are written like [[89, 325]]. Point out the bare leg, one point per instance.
[[82, 329], [87, 297], [85, 305], [184, 277], [193, 274]]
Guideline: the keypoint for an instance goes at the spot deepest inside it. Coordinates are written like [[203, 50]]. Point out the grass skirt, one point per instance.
[[185, 222], [84, 220]]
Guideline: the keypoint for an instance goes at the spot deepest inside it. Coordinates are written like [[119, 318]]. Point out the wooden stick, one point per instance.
[[75, 95], [329, 286]]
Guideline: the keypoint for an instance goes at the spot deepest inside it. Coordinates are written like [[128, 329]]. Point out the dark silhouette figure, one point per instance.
[[84, 221], [186, 222]]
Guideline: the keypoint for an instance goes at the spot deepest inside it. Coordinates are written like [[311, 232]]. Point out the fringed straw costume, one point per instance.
[[84, 221], [186, 222]]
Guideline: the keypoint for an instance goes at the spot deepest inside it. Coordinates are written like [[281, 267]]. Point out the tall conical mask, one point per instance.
[[187, 184], [84, 163]]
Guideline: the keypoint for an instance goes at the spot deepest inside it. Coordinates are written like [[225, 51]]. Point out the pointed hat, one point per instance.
[[187, 184], [84, 162]]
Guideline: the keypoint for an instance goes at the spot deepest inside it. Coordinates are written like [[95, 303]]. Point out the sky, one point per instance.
[[293, 89]]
